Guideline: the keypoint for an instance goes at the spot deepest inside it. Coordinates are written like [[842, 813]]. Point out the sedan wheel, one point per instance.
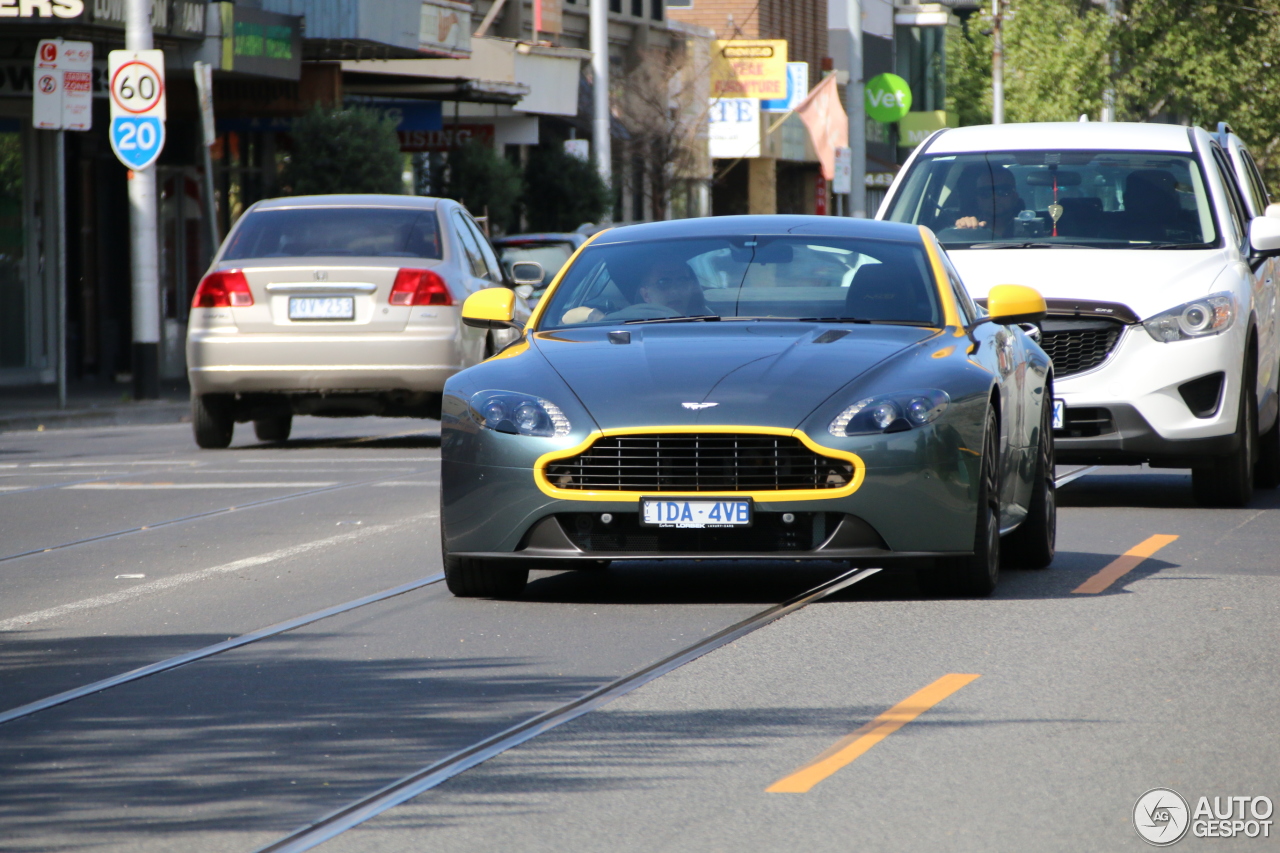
[[470, 578], [1032, 545], [212, 420], [977, 574]]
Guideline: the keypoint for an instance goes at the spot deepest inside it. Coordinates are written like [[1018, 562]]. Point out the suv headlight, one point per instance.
[[518, 414], [890, 413], [1211, 315]]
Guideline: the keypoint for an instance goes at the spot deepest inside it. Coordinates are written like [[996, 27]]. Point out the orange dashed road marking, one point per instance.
[[1122, 565], [853, 745]]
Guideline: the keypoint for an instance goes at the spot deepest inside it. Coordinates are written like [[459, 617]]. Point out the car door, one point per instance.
[[1256, 198]]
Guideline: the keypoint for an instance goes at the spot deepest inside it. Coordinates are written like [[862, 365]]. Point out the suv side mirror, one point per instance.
[[1264, 235], [527, 272]]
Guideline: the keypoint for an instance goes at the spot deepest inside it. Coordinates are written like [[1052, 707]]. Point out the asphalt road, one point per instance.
[[872, 719]]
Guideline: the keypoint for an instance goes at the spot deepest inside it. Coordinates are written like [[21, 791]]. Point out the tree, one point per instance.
[[661, 102], [1191, 61], [482, 180], [352, 150], [562, 192]]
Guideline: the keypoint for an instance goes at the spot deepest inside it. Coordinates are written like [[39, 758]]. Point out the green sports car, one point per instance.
[[752, 387]]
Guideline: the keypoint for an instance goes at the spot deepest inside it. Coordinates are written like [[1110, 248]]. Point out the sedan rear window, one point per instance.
[[1098, 199], [303, 232], [748, 278]]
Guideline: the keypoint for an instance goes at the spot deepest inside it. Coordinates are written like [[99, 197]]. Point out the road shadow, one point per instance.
[[1144, 488]]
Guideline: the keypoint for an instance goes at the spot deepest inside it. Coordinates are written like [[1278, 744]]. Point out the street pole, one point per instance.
[[1113, 59], [143, 242], [60, 170], [600, 142], [856, 107], [997, 62]]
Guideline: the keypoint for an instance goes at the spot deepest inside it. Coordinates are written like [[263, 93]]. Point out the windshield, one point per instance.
[[552, 256], [743, 277], [323, 231], [1098, 199]]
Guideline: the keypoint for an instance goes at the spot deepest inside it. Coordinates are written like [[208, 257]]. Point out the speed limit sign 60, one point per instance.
[[137, 83]]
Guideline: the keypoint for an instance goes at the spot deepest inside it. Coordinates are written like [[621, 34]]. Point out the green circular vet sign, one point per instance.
[[888, 98]]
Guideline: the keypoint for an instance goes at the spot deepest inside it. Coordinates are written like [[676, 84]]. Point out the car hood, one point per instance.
[[1147, 280], [766, 374]]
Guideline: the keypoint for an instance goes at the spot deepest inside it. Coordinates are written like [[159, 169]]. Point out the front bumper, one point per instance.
[[1143, 415]]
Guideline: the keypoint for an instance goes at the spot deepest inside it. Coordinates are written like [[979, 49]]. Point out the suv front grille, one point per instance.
[[710, 462], [1078, 344]]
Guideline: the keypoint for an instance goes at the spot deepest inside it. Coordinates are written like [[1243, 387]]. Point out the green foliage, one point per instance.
[[561, 191], [481, 179], [351, 150], [1192, 61]]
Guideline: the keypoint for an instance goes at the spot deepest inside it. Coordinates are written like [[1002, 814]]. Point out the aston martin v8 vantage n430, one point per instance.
[[753, 387]]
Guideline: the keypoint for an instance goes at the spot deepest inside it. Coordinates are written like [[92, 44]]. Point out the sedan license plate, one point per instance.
[[322, 308], [697, 512], [1059, 414]]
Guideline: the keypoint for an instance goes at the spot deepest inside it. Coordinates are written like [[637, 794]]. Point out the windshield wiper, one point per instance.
[[1030, 246], [693, 319], [828, 320], [1169, 246]]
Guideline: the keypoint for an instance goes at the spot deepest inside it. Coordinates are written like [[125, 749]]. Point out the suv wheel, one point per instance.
[[1229, 481], [212, 420]]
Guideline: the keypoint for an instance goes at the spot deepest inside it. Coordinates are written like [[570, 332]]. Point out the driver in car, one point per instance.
[[670, 287], [997, 192]]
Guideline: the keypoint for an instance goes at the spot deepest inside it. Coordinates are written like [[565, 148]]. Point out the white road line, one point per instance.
[[109, 464], [12, 488], [415, 459], [115, 487], [409, 483], [165, 584]]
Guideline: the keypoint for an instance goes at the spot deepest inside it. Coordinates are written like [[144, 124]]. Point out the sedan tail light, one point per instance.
[[420, 287], [223, 289]]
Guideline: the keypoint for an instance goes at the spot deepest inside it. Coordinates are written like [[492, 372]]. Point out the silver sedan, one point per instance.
[[337, 305]]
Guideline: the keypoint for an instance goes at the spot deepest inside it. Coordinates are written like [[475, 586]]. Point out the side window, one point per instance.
[[1258, 187], [1233, 193], [968, 310], [494, 273], [470, 246]]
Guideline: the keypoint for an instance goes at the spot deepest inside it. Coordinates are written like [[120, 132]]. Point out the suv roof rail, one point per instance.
[[1224, 130]]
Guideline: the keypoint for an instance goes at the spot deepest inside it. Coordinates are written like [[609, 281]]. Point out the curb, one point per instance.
[[150, 412]]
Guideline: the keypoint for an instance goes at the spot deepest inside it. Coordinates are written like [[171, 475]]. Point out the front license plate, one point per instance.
[[1059, 414], [703, 512], [322, 308]]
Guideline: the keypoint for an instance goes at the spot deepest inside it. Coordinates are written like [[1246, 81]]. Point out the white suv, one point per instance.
[[1149, 244]]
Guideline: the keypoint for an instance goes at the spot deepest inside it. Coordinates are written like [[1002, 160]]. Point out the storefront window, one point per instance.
[[13, 311]]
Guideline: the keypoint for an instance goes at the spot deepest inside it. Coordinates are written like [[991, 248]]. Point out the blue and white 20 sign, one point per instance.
[[137, 105]]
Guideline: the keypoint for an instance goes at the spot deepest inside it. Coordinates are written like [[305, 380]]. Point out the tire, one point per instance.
[[1228, 483], [212, 420], [976, 575], [1032, 545], [273, 429], [1266, 473], [469, 578]]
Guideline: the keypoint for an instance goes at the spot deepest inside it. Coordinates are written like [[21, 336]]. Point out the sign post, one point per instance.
[[63, 90], [209, 136], [136, 78]]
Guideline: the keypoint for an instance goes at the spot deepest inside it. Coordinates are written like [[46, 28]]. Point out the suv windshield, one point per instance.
[[744, 277], [370, 232], [1098, 199]]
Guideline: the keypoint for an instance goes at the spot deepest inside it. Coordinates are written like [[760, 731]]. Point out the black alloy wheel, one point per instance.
[[212, 420], [274, 428], [470, 578], [976, 575], [1032, 545], [1228, 483]]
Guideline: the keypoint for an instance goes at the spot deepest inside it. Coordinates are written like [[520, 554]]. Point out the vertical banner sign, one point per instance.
[[63, 82], [136, 78], [842, 183], [820, 195]]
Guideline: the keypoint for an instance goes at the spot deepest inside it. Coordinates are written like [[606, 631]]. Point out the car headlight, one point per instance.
[[890, 413], [518, 414], [1211, 315]]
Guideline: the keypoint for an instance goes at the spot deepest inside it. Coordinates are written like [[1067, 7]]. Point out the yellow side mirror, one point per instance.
[[1013, 303], [491, 308]]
